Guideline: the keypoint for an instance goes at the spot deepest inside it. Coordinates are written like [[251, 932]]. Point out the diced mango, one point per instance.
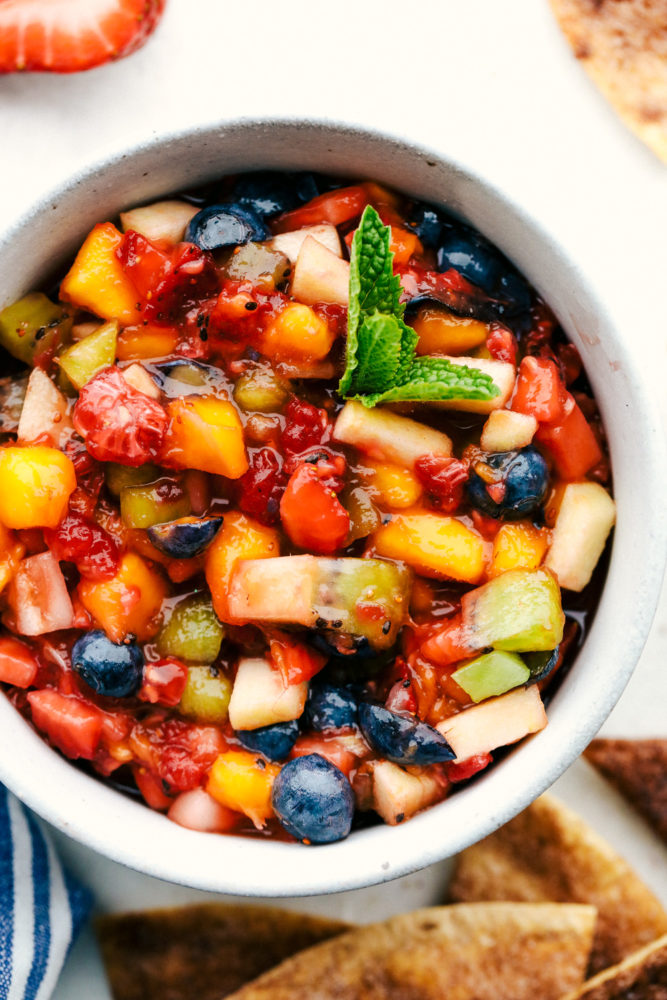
[[96, 280], [404, 244], [239, 538], [396, 487], [297, 334], [518, 546], [11, 553], [129, 603], [138, 342], [435, 546], [243, 782], [206, 433], [35, 486], [89, 356], [442, 332]]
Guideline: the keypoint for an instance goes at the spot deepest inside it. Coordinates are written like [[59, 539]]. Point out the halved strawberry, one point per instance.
[[64, 36]]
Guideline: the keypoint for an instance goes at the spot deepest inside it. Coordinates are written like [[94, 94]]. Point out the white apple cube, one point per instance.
[[506, 430], [585, 517], [387, 436], [494, 723], [163, 220], [503, 374], [44, 411], [259, 697], [319, 275], [399, 794], [290, 243]]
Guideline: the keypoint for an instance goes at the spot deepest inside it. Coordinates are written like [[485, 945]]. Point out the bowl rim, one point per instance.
[[103, 819]]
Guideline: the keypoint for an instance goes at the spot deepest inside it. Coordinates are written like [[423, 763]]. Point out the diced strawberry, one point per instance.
[[331, 748], [151, 788], [72, 35], [461, 771], [164, 682], [295, 661], [311, 513], [72, 725], [18, 664]]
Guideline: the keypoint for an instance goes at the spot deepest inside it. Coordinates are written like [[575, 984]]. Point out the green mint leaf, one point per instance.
[[373, 287], [378, 352], [431, 379]]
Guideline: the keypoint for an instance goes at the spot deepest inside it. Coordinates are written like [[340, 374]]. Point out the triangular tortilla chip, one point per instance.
[[622, 44], [549, 853], [642, 976], [491, 951], [638, 769], [201, 952]]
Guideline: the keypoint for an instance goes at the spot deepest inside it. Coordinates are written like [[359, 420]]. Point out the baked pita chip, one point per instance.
[[642, 976], [202, 952], [547, 852], [494, 951], [638, 769], [622, 44]]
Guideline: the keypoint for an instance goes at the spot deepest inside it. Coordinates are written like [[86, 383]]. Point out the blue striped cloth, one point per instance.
[[41, 907]]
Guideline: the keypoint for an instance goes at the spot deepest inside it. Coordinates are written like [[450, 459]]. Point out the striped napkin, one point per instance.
[[41, 907]]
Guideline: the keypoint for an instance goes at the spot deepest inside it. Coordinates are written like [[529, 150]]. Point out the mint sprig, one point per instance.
[[380, 362]]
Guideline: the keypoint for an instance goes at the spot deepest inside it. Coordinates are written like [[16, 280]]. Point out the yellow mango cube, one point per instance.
[[35, 486], [206, 433], [297, 334], [243, 781], [96, 280], [518, 546], [442, 332], [129, 603], [397, 488], [434, 545], [240, 537]]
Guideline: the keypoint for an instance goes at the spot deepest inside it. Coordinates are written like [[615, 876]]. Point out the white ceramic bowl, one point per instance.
[[130, 833]]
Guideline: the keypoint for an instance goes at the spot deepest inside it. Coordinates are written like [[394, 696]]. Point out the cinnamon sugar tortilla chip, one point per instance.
[[494, 951], [642, 976], [638, 769], [201, 952], [622, 44], [549, 853]]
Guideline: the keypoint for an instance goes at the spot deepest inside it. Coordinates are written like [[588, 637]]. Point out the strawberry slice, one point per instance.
[[64, 36]]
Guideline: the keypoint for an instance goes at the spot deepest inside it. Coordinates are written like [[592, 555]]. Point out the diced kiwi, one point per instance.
[[491, 674], [157, 502], [206, 695], [192, 633], [33, 326]]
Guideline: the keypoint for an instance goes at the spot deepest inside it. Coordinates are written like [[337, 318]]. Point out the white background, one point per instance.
[[493, 84]]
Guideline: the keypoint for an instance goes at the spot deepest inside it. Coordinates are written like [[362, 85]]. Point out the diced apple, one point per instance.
[[506, 430], [137, 376], [44, 411], [290, 243], [259, 697], [399, 794], [585, 517], [38, 596], [319, 275], [163, 220], [503, 374], [519, 611], [388, 437], [278, 590], [495, 723]]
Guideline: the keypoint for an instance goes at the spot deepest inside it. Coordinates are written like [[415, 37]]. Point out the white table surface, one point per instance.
[[492, 83]]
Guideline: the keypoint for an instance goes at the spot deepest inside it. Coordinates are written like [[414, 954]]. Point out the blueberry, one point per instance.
[[313, 800], [401, 739], [330, 707], [270, 192], [185, 538], [518, 481], [427, 223], [514, 292], [108, 668], [275, 741], [472, 256], [225, 226]]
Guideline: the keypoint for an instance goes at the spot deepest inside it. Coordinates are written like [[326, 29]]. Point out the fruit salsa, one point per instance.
[[297, 478]]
